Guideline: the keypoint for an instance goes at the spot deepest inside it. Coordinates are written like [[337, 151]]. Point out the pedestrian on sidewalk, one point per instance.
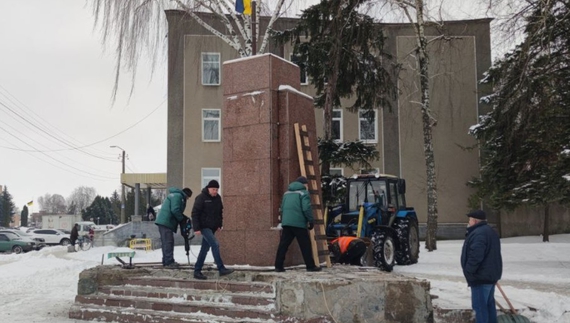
[[207, 219], [296, 218], [482, 265], [171, 213]]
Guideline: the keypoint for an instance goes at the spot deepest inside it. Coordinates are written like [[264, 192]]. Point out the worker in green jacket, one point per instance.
[[170, 215], [296, 218]]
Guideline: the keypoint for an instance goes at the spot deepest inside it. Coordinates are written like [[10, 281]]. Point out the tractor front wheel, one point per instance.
[[384, 250]]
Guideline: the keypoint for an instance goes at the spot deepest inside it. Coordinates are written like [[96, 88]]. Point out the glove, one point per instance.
[[311, 225]]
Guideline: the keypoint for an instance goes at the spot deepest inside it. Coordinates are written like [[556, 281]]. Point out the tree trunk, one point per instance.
[[545, 229], [336, 29], [428, 123]]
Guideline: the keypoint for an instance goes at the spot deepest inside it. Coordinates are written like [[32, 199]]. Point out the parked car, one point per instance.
[[84, 227], [52, 236], [12, 243], [65, 231], [40, 242]]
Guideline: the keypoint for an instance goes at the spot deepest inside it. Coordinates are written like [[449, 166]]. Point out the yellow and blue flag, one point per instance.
[[243, 7]]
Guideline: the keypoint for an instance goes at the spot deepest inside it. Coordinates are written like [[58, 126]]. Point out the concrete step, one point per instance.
[[259, 288], [137, 315], [219, 296], [178, 306]]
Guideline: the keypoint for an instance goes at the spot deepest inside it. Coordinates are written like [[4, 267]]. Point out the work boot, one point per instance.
[[314, 269], [225, 271], [199, 275], [172, 265]]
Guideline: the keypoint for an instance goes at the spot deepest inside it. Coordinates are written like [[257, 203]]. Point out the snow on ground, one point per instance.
[[41, 286]]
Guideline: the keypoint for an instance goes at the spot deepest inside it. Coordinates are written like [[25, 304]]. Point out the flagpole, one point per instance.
[[253, 29]]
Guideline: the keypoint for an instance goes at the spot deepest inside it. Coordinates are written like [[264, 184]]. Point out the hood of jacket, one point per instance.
[[296, 186], [176, 190]]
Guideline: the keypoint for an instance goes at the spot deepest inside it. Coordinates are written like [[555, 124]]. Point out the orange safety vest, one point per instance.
[[343, 243]]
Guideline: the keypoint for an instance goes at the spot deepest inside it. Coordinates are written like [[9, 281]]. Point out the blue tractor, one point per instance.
[[375, 210]]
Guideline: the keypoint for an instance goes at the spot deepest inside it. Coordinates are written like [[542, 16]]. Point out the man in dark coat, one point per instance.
[[207, 218], [74, 234], [171, 213], [296, 218], [482, 265]]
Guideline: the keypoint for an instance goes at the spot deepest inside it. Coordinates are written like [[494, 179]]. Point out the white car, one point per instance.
[[52, 236]]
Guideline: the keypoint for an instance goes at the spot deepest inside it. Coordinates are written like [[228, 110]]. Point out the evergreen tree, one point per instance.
[[116, 202], [525, 139], [101, 208], [343, 57], [6, 208], [24, 216], [348, 154]]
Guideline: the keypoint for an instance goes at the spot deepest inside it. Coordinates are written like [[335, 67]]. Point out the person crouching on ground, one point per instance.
[[348, 250], [171, 213], [207, 218], [482, 265], [296, 213]]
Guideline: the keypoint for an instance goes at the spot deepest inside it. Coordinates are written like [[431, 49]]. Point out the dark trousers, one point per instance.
[[287, 235], [167, 241]]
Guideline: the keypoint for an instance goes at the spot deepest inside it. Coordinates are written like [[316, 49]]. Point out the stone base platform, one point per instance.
[[337, 294]]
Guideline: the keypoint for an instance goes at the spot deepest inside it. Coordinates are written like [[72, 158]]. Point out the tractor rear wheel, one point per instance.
[[408, 241], [384, 250]]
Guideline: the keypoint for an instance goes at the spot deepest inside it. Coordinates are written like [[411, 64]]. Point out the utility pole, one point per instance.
[[123, 216]]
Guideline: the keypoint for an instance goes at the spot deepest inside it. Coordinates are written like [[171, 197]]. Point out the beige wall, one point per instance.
[[453, 102], [199, 154]]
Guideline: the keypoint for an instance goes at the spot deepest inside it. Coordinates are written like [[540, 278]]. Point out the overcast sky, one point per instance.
[[57, 122], [55, 97]]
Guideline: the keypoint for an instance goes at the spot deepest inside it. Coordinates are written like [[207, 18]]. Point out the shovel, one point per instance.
[[509, 316]]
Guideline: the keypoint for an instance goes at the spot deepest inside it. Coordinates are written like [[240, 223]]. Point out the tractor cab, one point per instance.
[[378, 196]]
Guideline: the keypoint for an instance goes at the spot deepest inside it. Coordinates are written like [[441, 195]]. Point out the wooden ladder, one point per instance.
[[308, 165]]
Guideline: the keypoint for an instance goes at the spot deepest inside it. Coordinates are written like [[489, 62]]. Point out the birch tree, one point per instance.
[[137, 27], [414, 13]]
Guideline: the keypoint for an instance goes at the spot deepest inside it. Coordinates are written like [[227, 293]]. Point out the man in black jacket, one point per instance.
[[482, 265], [207, 218]]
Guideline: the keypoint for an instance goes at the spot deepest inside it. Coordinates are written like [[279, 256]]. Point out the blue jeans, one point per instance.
[[167, 241], [208, 240], [483, 303]]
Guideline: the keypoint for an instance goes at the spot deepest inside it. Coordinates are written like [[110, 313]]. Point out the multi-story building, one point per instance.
[[459, 53]]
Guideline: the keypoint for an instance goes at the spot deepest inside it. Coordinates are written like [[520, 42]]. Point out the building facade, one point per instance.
[[459, 53]]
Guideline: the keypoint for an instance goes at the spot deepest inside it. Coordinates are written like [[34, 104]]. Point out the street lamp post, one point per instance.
[[123, 217]]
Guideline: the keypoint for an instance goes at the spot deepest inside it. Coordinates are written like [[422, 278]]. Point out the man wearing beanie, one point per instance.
[[207, 218], [482, 265], [171, 213], [296, 218]]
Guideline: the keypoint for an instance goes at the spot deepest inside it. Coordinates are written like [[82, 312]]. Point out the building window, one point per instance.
[[210, 68], [337, 125], [336, 172], [367, 127], [210, 125], [209, 174], [302, 66]]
